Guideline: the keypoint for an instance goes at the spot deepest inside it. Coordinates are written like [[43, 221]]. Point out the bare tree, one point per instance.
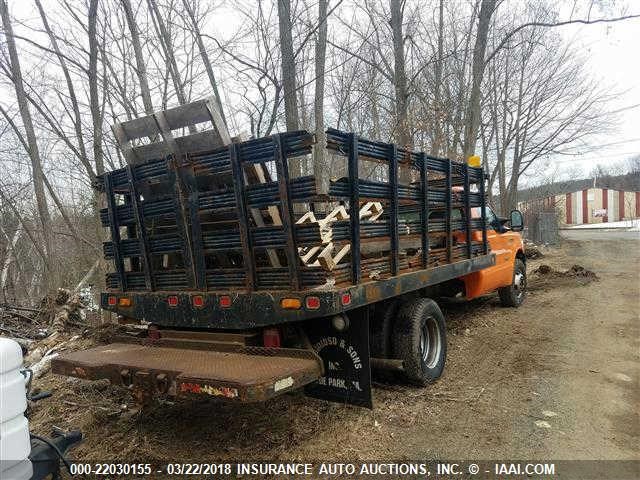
[[23, 105], [288, 65], [540, 103], [633, 165], [141, 66], [75, 107], [472, 121], [437, 96], [166, 43], [259, 88], [321, 52], [94, 97], [403, 136], [205, 56]]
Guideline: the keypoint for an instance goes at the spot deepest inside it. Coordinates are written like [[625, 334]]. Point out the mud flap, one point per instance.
[[345, 354]]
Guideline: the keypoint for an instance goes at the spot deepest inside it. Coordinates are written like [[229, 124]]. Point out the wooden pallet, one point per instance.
[[151, 137], [327, 255]]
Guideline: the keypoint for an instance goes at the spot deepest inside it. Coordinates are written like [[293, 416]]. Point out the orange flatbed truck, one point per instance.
[[235, 314]]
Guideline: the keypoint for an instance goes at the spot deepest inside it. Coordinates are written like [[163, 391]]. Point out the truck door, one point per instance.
[[503, 244]]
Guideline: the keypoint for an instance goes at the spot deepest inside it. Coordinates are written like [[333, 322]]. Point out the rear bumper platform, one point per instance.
[[244, 374]]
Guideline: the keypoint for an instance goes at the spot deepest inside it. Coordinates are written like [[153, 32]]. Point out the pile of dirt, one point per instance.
[[546, 274], [532, 252], [545, 269], [580, 271]]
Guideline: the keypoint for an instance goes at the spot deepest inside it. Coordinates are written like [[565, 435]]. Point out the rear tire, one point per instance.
[[381, 328], [420, 341], [514, 294]]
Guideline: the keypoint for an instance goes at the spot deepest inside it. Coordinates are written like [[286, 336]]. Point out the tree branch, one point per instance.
[[554, 24]]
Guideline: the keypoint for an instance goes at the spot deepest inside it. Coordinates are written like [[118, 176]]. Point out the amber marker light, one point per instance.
[[291, 303]]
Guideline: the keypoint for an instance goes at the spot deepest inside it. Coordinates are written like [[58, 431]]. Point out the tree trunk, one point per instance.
[[205, 58], [437, 96], [34, 153], [25, 227], [167, 47], [375, 115], [9, 256], [321, 50], [403, 138], [94, 97], [502, 179], [92, 271], [288, 65], [472, 121], [141, 67]]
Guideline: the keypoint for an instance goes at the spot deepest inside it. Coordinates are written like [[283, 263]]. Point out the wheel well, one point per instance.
[[520, 256]]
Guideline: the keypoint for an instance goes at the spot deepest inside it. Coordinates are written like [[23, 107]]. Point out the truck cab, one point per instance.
[[508, 275]]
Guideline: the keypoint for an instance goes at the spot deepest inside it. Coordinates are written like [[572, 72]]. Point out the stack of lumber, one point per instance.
[[327, 254]]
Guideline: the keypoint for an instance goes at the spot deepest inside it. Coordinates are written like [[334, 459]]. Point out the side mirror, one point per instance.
[[516, 222]]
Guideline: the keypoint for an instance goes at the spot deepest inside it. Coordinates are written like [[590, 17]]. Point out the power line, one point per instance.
[[621, 142], [586, 159], [624, 109]]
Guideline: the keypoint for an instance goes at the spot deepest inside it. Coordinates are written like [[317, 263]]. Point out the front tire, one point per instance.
[[420, 341], [514, 294]]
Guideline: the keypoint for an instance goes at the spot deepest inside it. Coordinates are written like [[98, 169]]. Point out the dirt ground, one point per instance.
[[568, 357]]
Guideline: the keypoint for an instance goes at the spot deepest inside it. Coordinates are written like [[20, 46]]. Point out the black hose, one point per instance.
[[40, 396], [55, 448]]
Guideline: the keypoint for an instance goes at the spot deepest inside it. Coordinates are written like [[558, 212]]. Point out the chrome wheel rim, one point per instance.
[[430, 342], [519, 283]]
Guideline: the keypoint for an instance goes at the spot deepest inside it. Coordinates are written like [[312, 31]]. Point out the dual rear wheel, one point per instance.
[[413, 331]]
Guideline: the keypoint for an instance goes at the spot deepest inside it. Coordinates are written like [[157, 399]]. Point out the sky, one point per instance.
[[613, 57]]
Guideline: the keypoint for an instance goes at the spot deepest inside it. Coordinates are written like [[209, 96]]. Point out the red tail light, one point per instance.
[[271, 337], [172, 300], [198, 301], [225, 301], [346, 298], [312, 303], [112, 301]]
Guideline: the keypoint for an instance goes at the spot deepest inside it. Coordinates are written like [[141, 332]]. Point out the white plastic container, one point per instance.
[[15, 444], [19, 471]]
